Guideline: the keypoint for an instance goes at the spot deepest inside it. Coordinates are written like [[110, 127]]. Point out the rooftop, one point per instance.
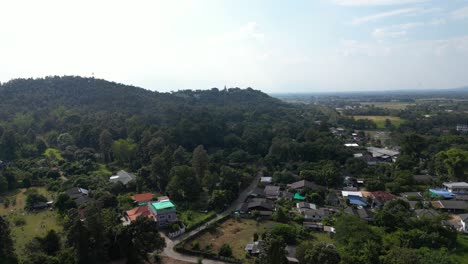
[[456, 184], [442, 193], [163, 205], [142, 197]]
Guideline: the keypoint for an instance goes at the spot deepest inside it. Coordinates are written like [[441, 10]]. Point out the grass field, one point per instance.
[[35, 223], [236, 234], [389, 105], [191, 218], [380, 120], [461, 253]]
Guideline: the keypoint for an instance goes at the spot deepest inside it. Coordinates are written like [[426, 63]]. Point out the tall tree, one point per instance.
[[275, 252], [7, 251], [200, 161], [184, 185], [105, 144], [322, 253], [140, 238], [8, 145]]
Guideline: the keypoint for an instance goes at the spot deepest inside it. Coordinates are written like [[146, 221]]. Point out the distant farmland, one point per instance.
[[389, 105], [380, 120]]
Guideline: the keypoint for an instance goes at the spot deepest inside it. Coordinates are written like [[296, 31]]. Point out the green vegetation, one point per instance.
[[380, 120], [53, 154], [460, 255], [192, 218]]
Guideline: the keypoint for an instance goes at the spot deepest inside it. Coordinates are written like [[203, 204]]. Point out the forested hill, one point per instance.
[[24, 95], [229, 119]]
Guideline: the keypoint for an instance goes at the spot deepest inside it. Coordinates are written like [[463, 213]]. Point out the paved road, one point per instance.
[[170, 244]]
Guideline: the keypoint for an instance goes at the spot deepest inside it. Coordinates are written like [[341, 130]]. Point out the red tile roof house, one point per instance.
[[379, 198], [134, 213], [143, 198]]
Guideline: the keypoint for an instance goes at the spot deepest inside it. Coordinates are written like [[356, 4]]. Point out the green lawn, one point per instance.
[[236, 234], [36, 224], [380, 120], [191, 218], [460, 255]]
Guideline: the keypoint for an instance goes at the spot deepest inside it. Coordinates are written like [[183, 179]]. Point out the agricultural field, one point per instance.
[[389, 105], [27, 225], [380, 120]]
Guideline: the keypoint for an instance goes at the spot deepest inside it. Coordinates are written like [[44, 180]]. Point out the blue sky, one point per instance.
[[274, 46]]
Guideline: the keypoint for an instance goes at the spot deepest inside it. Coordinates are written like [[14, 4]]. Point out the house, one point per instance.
[[272, 192], [351, 145], [363, 213], [462, 128], [123, 177], [79, 196], [263, 206], [304, 184], [370, 160], [378, 198], [163, 212], [76, 192], [426, 213], [315, 215], [383, 154], [143, 211], [41, 205], [255, 248], [356, 200], [266, 180], [456, 187], [305, 205], [347, 193], [257, 192], [287, 195], [464, 222], [450, 205], [142, 198], [441, 193]]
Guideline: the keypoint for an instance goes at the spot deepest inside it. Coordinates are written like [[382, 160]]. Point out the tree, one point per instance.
[[7, 251], [140, 238], [356, 241], [8, 146], [200, 161], [105, 144], [124, 150], [218, 199], [225, 251], [274, 252], [454, 161], [64, 203], [184, 185], [322, 253], [286, 232], [51, 242], [396, 213], [34, 198], [281, 215]]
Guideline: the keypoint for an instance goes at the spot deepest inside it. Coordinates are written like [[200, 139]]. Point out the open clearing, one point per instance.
[[35, 223], [380, 120], [389, 105], [237, 234]]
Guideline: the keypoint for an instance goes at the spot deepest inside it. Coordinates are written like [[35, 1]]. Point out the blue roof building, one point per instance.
[[442, 193], [356, 200]]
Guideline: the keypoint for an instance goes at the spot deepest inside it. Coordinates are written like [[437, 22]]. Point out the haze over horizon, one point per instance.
[[301, 46]]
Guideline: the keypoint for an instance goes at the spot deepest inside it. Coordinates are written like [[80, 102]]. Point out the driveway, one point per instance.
[[236, 205]]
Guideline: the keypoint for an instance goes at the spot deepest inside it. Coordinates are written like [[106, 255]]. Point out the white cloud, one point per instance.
[[460, 13], [375, 2], [438, 21], [395, 31], [378, 16]]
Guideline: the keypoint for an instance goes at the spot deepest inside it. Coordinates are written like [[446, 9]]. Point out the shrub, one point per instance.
[[225, 251]]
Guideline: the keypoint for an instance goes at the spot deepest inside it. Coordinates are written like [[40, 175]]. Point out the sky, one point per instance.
[[270, 45]]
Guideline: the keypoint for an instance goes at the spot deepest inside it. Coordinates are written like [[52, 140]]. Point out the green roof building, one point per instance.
[[298, 196], [164, 212]]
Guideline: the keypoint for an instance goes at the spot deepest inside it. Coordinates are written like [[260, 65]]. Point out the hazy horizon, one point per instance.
[[272, 46]]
